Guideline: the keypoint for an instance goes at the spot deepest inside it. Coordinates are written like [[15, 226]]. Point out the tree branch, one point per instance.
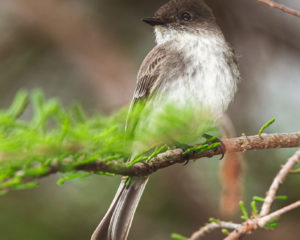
[[271, 194], [171, 157], [280, 7], [212, 226], [261, 220], [246, 227]]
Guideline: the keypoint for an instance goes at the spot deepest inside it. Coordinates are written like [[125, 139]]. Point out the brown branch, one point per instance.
[[271, 194], [253, 224], [241, 229], [280, 7], [240, 144], [261, 220], [211, 227], [246, 228]]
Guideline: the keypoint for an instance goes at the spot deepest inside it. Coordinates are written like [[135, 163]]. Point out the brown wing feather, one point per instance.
[[149, 74]]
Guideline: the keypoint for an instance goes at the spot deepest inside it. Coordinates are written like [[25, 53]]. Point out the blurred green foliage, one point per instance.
[[67, 138], [54, 136]]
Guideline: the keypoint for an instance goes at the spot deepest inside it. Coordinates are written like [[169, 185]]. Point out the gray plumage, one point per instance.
[[191, 64], [116, 223]]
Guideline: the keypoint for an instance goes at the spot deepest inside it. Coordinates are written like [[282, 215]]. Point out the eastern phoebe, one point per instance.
[[191, 63]]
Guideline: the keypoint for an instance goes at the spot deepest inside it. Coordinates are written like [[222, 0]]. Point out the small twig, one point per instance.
[[264, 216], [264, 220], [247, 227], [281, 7], [271, 194], [259, 222], [212, 226]]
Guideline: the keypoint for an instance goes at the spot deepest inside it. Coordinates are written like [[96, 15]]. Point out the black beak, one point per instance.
[[153, 21]]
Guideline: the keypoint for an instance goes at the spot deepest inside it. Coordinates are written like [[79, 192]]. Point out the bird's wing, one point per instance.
[[150, 72], [149, 78]]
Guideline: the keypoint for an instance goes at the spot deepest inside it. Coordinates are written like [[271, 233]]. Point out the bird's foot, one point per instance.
[[184, 147], [211, 143], [213, 139]]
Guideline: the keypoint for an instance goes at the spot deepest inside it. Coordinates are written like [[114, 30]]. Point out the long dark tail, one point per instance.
[[116, 223]]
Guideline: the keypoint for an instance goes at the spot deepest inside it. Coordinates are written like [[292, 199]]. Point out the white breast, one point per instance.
[[208, 79]]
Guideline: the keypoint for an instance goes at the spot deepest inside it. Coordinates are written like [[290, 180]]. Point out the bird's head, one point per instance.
[[190, 16]]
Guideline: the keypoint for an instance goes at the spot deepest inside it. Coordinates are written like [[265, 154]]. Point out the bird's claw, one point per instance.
[[212, 139]]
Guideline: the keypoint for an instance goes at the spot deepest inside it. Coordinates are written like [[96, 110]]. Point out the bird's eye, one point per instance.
[[186, 16]]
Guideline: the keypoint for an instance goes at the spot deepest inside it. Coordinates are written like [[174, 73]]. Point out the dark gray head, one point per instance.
[[182, 14]]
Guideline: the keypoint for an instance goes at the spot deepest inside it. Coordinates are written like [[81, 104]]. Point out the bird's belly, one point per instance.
[[212, 90]]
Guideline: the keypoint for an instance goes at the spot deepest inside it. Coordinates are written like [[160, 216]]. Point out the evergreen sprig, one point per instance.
[[65, 138], [54, 136]]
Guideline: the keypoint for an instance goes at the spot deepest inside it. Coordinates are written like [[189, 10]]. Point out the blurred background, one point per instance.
[[90, 51]]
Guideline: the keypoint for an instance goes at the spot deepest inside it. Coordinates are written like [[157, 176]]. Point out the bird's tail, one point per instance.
[[117, 221]]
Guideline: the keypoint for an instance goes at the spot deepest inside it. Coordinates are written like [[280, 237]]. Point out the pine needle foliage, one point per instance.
[[67, 138], [54, 137]]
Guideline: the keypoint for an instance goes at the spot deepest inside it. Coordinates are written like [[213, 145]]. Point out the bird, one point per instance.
[[191, 65]]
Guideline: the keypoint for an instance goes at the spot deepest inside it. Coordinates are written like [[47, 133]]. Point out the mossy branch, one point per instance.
[[175, 156]]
